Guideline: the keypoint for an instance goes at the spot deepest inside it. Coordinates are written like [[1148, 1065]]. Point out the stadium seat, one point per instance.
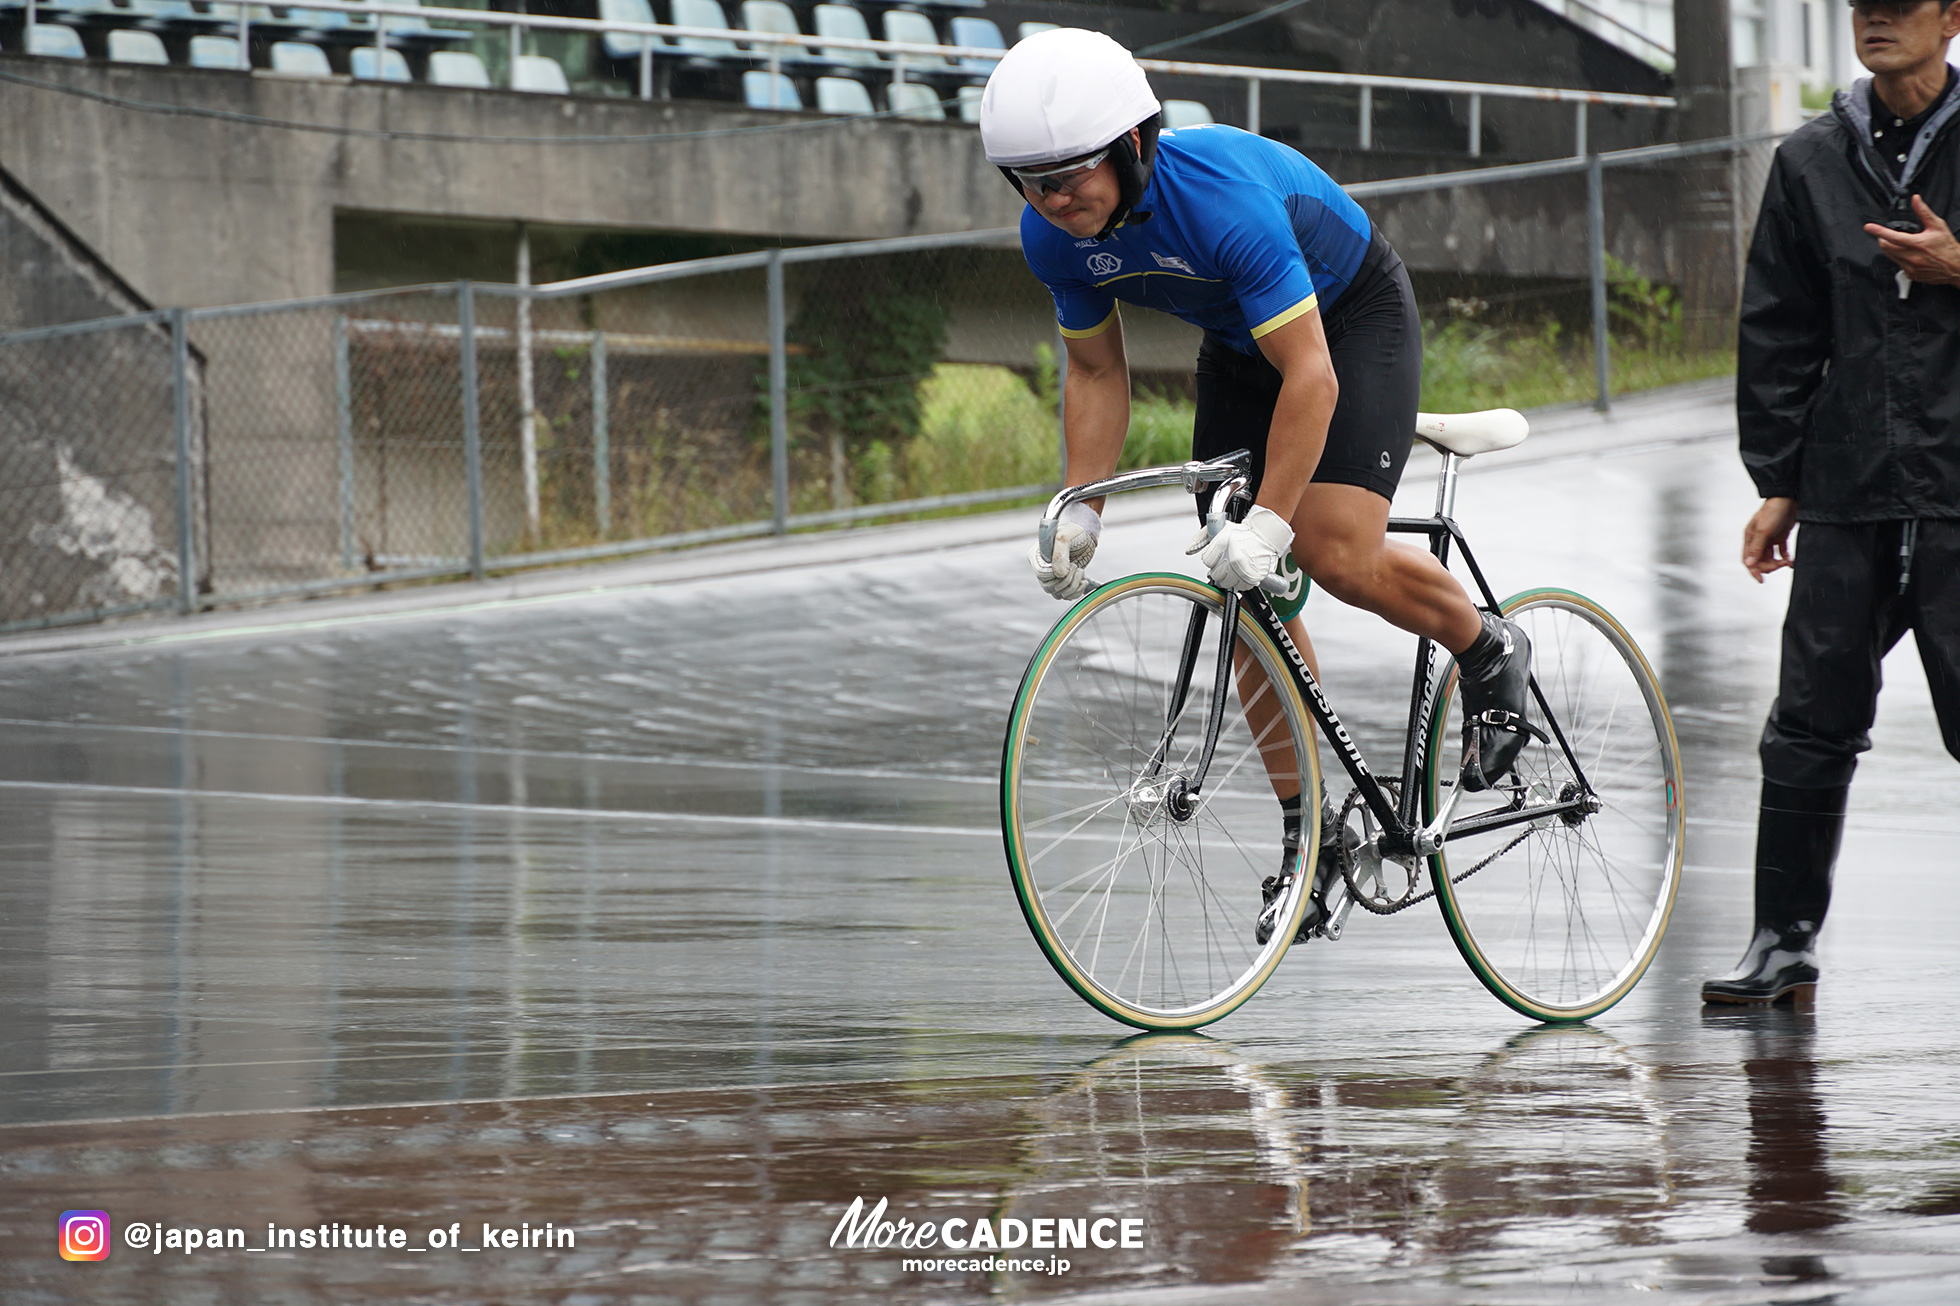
[[394, 68], [539, 73], [842, 95], [53, 41], [1025, 30], [774, 16], [624, 45], [127, 46], [977, 32], [457, 68], [300, 59], [765, 90], [214, 52], [915, 28], [1185, 113], [702, 13], [847, 22], [913, 100], [970, 103]]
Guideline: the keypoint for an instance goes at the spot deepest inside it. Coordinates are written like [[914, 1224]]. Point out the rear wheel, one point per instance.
[[1143, 896], [1560, 917]]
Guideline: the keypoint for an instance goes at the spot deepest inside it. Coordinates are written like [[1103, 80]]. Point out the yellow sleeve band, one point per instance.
[[1272, 324], [1098, 328]]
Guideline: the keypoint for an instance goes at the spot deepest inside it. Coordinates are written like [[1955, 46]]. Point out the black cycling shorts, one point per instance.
[[1375, 339]]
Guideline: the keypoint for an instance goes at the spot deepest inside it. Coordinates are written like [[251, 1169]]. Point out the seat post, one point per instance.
[[1446, 485]]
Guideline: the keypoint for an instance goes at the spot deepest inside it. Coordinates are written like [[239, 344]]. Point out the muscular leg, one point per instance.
[[1340, 538], [1263, 715]]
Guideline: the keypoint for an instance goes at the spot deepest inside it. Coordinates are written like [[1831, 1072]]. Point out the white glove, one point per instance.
[[1075, 543], [1245, 552]]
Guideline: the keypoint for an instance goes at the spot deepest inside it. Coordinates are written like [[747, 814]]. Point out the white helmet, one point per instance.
[[1065, 93]]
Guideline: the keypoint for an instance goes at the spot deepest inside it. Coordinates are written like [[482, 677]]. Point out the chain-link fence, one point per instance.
[[190, 458]]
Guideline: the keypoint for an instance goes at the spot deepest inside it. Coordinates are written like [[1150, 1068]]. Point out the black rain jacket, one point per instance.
[[1847, 394]]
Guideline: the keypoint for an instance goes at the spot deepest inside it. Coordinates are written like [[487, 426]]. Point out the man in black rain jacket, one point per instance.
[[1848, 403]]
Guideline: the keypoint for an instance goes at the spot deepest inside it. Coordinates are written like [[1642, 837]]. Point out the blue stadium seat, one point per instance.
[[1185, 113], [842, 95], [702, 13], [300, 59], [970, 103], [915, 28], [764, 90], [539, 73], [847, 22], [917, 101], [1025, 30], [457, 68], [214, 52], [624, 45], [774, 16], [394, 68], [53, 41], [126, 45], [977, 32]]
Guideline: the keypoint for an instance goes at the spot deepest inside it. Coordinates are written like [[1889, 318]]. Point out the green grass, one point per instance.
[[985, 427]]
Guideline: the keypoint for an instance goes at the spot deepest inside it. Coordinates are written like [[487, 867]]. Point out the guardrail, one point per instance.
[[769, 48]]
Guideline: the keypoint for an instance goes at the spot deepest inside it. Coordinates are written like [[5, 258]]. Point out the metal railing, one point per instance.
[[769, 48]]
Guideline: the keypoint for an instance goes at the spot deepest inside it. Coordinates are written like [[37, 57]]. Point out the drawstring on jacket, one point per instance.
[[1908, 538]]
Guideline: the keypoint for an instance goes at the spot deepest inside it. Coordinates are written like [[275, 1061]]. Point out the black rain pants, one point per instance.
[[1846, 613]]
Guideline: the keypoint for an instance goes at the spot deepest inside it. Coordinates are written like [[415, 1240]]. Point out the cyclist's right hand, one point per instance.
[[1066, 577]]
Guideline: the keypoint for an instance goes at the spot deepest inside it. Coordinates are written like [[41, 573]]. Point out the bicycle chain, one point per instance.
[[1392, 786]]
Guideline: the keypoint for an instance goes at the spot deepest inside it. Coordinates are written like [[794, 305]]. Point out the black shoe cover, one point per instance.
[[1496, 688], [1273, 888], [1779, 964]]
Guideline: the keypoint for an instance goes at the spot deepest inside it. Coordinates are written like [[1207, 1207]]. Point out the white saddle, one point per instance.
[[1468, 434]]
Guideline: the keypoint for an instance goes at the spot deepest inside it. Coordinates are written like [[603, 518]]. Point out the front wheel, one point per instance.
[[1560, 917], [1139, 878]]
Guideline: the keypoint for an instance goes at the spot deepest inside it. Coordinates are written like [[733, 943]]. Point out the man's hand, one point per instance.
[[1245, 552], [1931, 256], [1064, 576], [1766, 539]]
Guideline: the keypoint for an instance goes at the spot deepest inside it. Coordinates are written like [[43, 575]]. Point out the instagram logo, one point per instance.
[[84, 1235]]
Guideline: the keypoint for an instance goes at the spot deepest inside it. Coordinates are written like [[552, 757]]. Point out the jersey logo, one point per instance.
[[1091, 243], [1103, 265], [1163, 261]]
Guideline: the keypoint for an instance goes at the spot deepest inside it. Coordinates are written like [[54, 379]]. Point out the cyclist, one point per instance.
[[1312, 359]]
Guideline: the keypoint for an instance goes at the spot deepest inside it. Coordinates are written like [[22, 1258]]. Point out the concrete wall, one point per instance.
[[198, 210], [88, 486]]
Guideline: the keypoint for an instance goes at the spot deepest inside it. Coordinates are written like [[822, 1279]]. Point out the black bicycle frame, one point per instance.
[[1401, 823]]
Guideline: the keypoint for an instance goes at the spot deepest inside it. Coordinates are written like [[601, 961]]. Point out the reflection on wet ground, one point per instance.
[[677, 918]]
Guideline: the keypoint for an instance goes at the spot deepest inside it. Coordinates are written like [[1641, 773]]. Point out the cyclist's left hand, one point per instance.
[[1244, 553]]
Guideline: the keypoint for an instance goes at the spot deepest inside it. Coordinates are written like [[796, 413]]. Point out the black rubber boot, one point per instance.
[[1325, 868], [1797, 836], [1496, 682]]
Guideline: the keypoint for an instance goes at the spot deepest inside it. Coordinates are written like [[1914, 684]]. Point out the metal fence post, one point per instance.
[[1252, 105], [527, 394], [180, 377], [1476, 126], [1596, 251], [778, 396], [1580, 148], [601, 437], [1367, 117], [472, 442], [343, 401]]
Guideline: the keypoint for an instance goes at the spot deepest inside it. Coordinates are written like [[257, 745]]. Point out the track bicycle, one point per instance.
[[1138, 799]]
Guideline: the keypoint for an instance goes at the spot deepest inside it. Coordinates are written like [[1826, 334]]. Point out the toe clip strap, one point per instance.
[[1511, 723]]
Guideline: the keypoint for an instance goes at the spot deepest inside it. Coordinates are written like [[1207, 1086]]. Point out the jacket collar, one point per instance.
[[1853, 109]]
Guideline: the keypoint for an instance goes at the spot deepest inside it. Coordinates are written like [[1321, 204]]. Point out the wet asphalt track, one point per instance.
[[677, 915]]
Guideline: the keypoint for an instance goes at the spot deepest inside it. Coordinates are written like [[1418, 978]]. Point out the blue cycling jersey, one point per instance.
[[1244, 236]]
